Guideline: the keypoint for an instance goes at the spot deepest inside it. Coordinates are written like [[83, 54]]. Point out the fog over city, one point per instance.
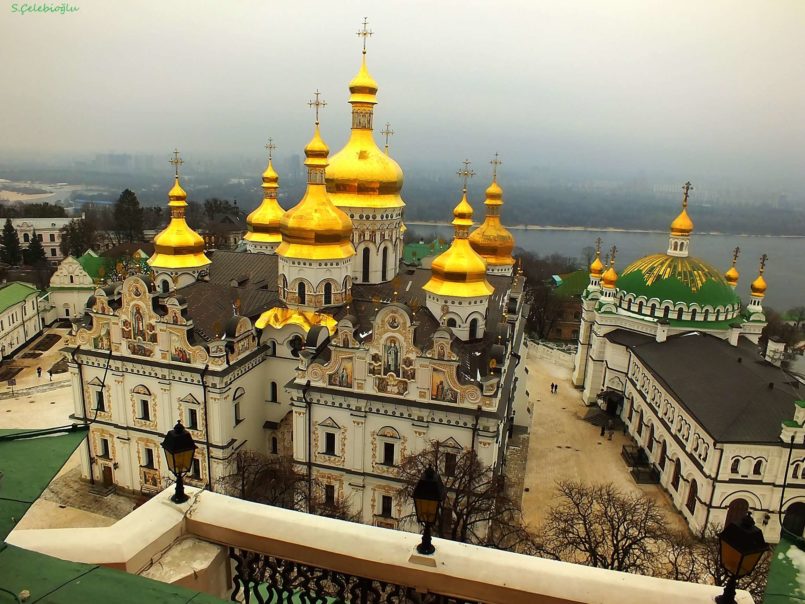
[[707, 91]]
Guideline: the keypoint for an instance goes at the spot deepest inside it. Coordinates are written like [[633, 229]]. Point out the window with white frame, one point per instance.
[[105, 452], [148, 457], [329, 443], [385, 506], [191, 418]]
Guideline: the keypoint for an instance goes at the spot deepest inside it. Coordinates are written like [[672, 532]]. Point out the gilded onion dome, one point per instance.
[[264, 222], [682, 225], [610, 277], [459, 271], [361, 175], [732, 274], [758, 286], [491, 240], [596, 266], [178, 246], [314, 228]]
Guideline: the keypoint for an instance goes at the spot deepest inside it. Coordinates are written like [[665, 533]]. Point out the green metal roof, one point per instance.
[[93, 264], [14, 293], [786, 582], [573, 284], [687, 280], [413, 253]]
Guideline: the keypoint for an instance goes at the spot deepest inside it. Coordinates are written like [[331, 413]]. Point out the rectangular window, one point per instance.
[[104, 448], [385, 506], [99, 402], [148, 458], [388, 454], [145, 410], [238, 416], [53, 251], [449, 464], [39, 236], [195, 469], [52, 237], [191, 419], [329, 494], [329, 443]]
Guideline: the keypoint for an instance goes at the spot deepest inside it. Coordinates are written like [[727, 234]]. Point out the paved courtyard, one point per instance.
[[563, 446]]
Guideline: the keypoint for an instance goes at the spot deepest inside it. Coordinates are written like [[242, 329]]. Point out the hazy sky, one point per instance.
[[689, 88]]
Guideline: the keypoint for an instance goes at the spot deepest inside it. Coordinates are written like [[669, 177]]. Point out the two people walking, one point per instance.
[[554, 388]]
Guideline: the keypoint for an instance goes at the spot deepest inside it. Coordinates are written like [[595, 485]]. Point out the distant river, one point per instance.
[[785, 274]]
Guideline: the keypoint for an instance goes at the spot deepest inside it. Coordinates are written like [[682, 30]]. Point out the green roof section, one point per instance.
[[687, 280], [573, 284], [96, 266], [14, 293], [413, 253], [28, 462], [786, 582], [800, 404]]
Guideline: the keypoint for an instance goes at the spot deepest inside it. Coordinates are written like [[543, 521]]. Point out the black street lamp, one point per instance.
[[428, 498], [179, 449], [742, 547]]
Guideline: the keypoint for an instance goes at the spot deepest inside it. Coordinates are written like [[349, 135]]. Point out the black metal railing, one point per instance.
[[265, 579]]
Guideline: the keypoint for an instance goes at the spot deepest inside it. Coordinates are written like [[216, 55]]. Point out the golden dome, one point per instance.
[[682, 224], [178, 246], [361, 175], [732, 276], [314, 228], [610, 277], [264, 222], [597, 267], [280, 317], [459, 271], [758, 286], [491, 240]]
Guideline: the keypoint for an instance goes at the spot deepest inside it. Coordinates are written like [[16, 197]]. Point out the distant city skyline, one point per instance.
[[705, 91]]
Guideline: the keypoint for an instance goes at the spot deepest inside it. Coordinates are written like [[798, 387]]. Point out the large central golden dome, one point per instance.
[[492, 240], [361, 175], [314, 228]]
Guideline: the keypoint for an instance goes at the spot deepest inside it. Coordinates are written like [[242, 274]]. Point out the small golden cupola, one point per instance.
[[457, 274], [596, 269], [493, 242], [263, 223], [681, 228], [610, 277], [732, 274], [178, 250], [757, 288], [318, 232]]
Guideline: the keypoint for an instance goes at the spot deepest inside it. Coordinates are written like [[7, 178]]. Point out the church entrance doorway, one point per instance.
[[107, 476], [794, 520], [736, 511]]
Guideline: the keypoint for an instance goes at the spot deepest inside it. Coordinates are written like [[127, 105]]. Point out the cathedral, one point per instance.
[[315, 341]]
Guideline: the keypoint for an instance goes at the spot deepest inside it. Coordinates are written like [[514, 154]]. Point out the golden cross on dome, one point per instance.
[[687, 188], [176, 161], [735, 253], [763, 259], [317, 104], [270, 146], [466, 173], [598, 243], [612, 253], [365, 33], [387, 133], [495, 163]]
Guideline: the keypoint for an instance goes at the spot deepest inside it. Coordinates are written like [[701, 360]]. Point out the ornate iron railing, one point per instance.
[[263, 579]]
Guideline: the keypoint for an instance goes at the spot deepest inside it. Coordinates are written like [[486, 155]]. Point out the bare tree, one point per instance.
[[476, 507], [598, 525]]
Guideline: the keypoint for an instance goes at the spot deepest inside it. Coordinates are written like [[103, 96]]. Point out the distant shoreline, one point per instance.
[[534, 227]]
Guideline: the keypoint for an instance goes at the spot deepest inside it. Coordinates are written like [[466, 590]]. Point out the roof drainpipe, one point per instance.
[[84, 411], [206, 425]]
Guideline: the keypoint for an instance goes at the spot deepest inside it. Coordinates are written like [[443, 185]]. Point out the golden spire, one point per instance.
[[460, 271], [597, 267], [610, 277], [178, 246], [492, 240], [387, 133], [758, 286], [732, 273], [682, 224], [263, 223]]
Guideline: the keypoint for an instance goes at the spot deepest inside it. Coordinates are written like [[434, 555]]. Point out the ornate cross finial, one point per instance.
[[365, 33], [176, 161], [466, 173], [687, 188], [317, 104], [612, 253], [606, 259], [387, 133], [495, 163], [270, 146], [735, 254], [598, 243], [763, 260]]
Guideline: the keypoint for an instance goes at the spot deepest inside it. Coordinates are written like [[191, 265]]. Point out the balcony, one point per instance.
[[250, 552]]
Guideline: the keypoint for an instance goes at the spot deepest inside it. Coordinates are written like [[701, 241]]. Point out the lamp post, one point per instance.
[[741, 547], [179, 449], [428, 497]]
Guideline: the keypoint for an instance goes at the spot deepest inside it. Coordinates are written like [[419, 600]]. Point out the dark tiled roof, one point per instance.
[[210, 305], [247, 270], [127, 249], [625, 337], [733, 393]]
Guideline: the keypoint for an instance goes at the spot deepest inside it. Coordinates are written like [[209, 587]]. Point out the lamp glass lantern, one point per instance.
[[741, 546], [428, 497], [179, 452]]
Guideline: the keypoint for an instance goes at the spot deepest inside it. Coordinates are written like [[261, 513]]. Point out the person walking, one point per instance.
[[610, 428], [50, 376], [38, 372]]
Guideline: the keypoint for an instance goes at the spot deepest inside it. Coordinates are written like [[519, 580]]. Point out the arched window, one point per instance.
[[653, 309], [384, 265], [706, 314], [26, 238], [736, 466], [365, 266], [284, 285], [328, 294], [300, 292], [640, 308], [165, 286], [693, 493], [679, 314], [665, 312], [718, 315], [795, 471], [693, 314], [650, 443], [736, 511], [663, 453], [675, 476], [676, 246], [794, 520], [274, 445], [273, 393], [758, 469], [473, 329], [629, 304], [451, 322], [639, 423]]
